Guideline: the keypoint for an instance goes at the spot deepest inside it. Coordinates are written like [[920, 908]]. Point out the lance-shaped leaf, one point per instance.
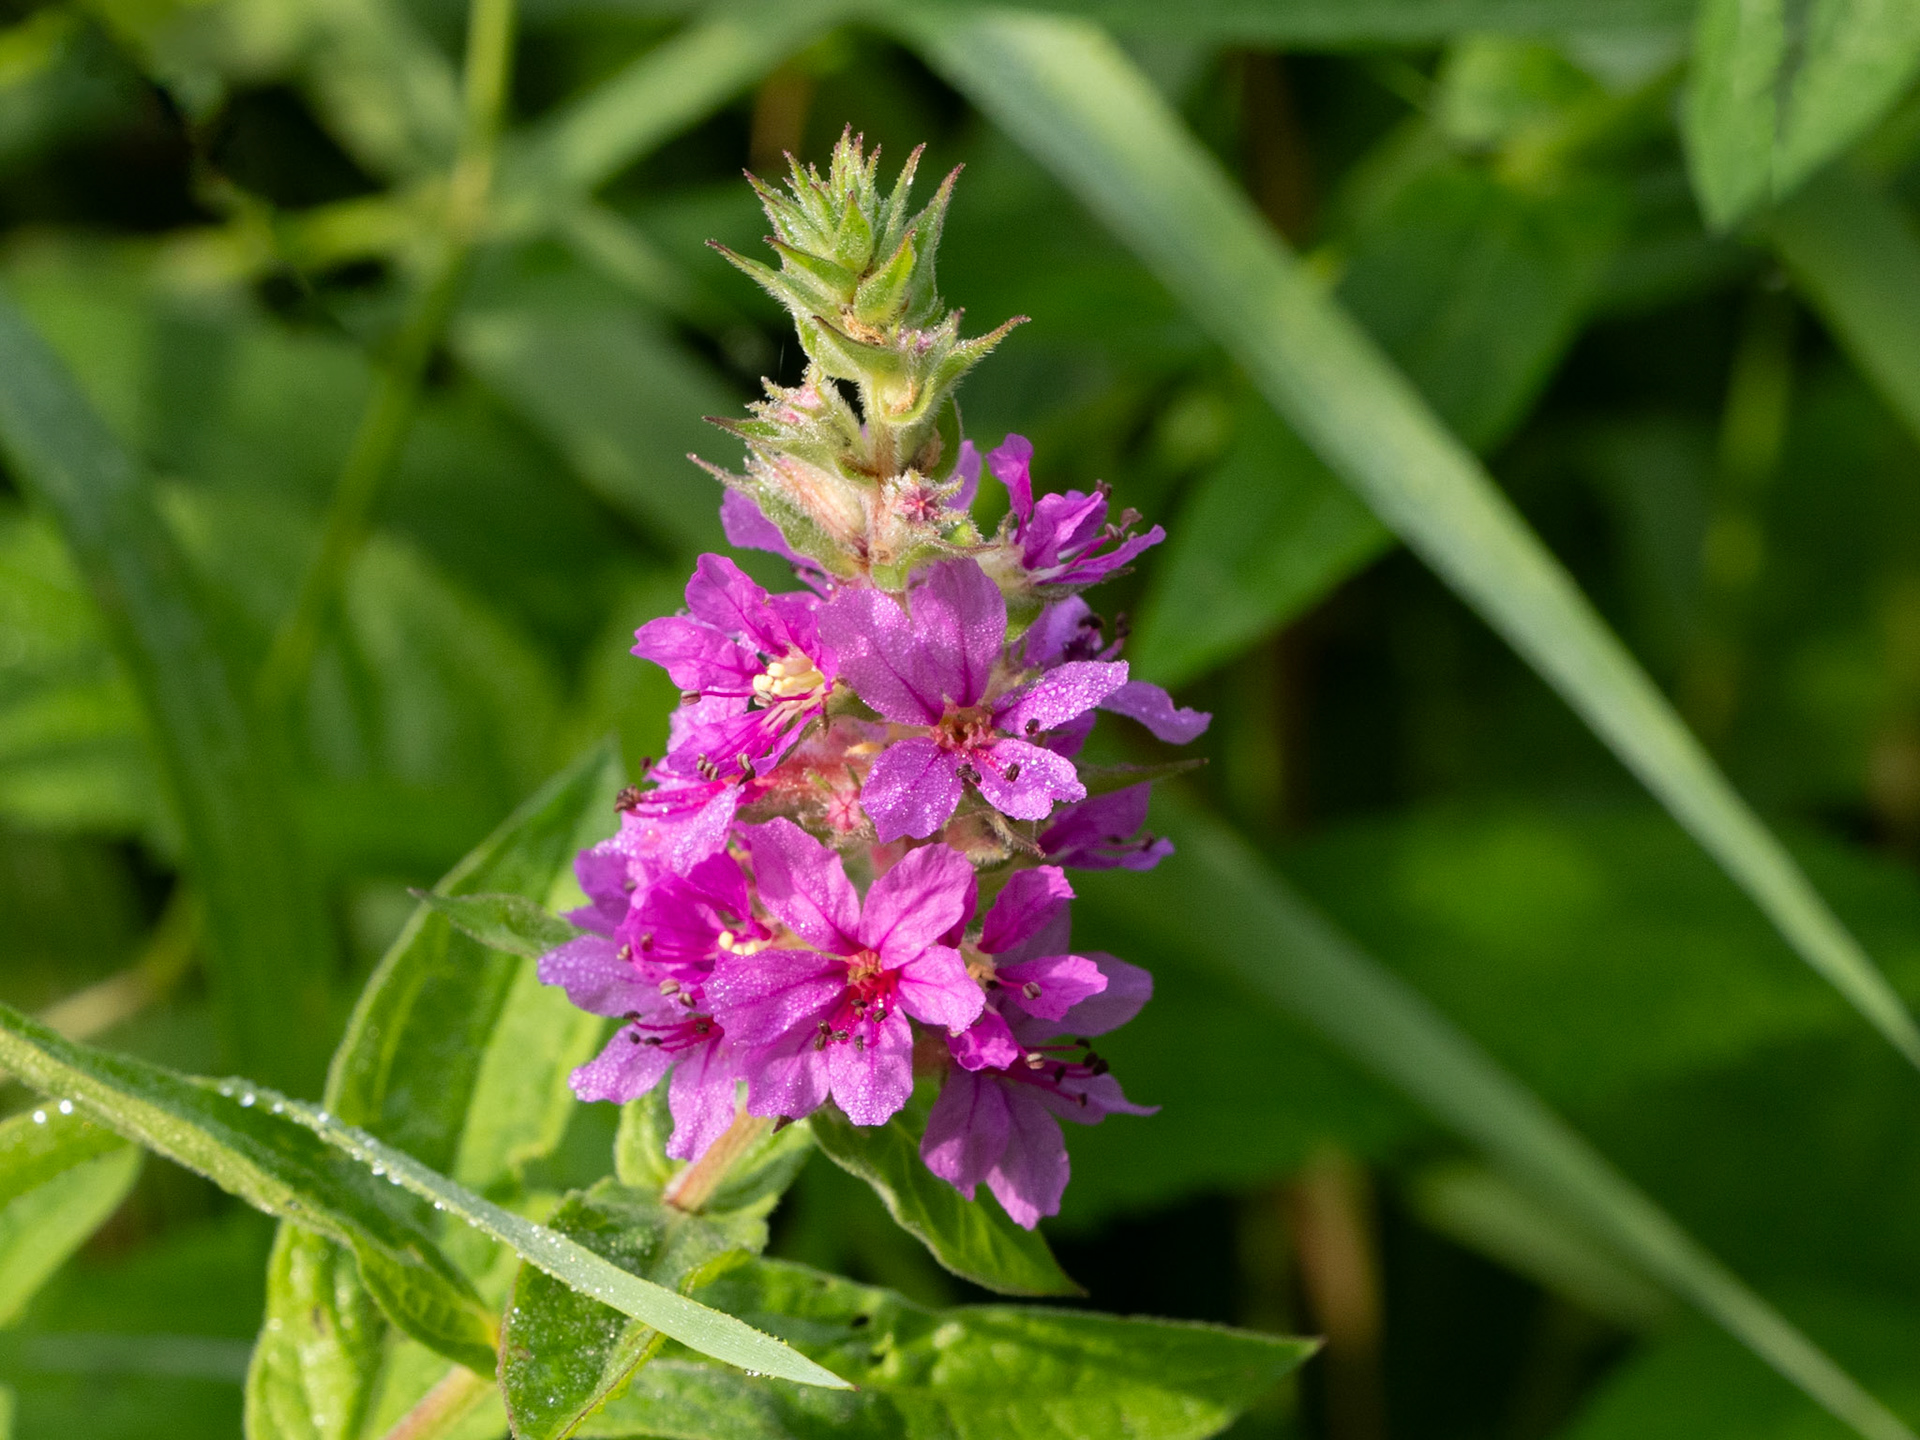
[[243, 1140], [1073, 98], [1265, 936], [973, 1238], [427, 1061], [301, 1163], [267, 928], [563, 1353], [1023, 1372], [61, 1176], [510, 923]]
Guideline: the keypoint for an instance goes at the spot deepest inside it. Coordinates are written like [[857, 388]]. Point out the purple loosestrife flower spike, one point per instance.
[[911, 714]]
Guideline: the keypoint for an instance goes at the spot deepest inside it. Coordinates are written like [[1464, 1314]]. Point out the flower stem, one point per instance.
[[694, 1186], [442, 1407], [382, 435]]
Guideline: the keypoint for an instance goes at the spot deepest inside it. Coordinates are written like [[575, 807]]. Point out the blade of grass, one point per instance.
[[672, 86], [262, 1146], [382, 435], [268, 936], [1264, 935], [1066, 92]]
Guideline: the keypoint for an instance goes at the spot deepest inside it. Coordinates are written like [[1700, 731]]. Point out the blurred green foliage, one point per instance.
[[1652, 264]]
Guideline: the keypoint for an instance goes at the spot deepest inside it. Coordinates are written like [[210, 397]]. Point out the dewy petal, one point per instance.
[[697, 657], [1031, 1174], [1042, 778], [966, 469], [771, 995], [701, 1097], [987, 1044], [1052, 985], [1054, 632], [595, 977], [788, 1080], [1103, 833], [871, 1083], [912, 789], [1028, 901], [1154, 708], [880, 656], [1128, 988], [1060, 695], [803, 883], [1061, 524], [960, 623], [723, 595], [936, 989], [622, 1071], [967, 1130], [1012, 466], [749, 529], [916, 902]]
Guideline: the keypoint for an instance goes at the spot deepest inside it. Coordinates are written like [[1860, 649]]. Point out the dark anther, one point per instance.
[[747, 772], [967, 773], [1031, 989], [1122, 627], [1098, 1064], [628, 799], [1013, 772], [1033, 727], [631, 1015], [635, 1036], [653, 1040]]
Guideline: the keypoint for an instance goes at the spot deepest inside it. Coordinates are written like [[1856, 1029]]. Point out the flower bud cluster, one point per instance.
[[849, 868]]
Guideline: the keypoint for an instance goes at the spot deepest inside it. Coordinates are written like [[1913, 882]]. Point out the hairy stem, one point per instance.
[[382, 435], [444, 1406], [694, 1186]]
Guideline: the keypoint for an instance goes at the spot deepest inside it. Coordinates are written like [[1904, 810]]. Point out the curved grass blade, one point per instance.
[[1074, 99], [1264, 935], [268, 930], [670, 87], [297, 1161]]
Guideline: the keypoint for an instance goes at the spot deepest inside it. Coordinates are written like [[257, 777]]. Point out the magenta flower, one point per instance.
[[831, 1018], [1068, 631], [1104, 833], [934, 671], [747, 527], [659, 996], [751, 664], [997, 1120], [1060, 536]]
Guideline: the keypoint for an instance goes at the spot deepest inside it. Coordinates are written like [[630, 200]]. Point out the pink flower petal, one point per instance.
[[916, 902], [1026, 904], [1154, 708], [1025, 780], [1060, 695], [803, 883], [935, 988], [881, 656], [701, 1098], [596, 978], [967, 1130], [1031, 1174], [1052, 985], [912, 789], [871, 1082], [987, 1044], [622, 1071], [959, 624]]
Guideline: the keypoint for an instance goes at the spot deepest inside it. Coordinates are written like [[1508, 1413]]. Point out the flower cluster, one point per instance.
[[850, 868]]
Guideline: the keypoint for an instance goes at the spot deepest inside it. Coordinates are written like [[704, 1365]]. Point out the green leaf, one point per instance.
[[1256, 543], [1342, 23], [1738, 48], [242, 1139], [562, 1353], [1021, 1372], [455, 1051], [268, 932], [1854, 254], [311, 1374], [1076, 101], [60, 1178], [1263, 935], [301, 1163], [972, 1238], [1778, 91], [511, 923]]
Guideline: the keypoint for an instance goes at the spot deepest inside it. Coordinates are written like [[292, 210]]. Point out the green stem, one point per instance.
[[695, 1186], [382, 436], [442, 1407]]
